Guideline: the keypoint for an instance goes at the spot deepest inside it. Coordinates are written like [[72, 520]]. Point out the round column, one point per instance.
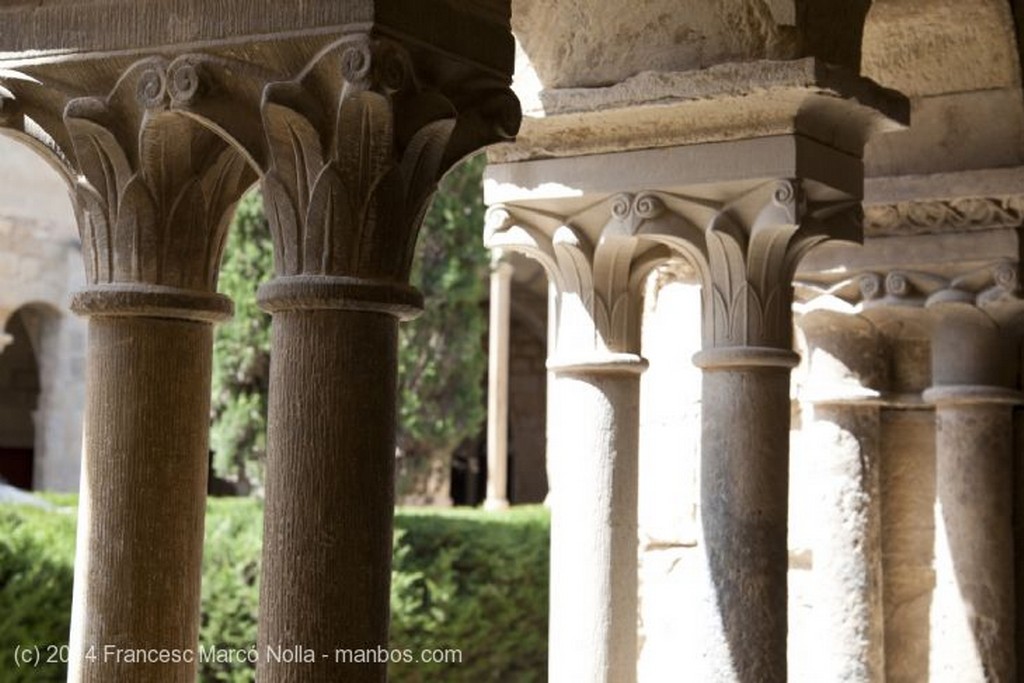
[[593, 609], [329, 476], [497, 385], [744, 507], [144, 477], [846, 370], [973, 607]]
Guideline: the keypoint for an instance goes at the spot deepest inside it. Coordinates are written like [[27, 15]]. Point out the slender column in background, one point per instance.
[[973, 611], [847, 370], [497, 384]]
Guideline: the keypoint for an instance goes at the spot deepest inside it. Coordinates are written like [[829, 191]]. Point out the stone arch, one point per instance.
[[28, 334]]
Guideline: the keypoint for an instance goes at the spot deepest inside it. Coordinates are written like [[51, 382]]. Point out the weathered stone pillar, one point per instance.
[[497, 384], [846, 370], [154, 193], [974, 361], [371, 140], [593, 463]]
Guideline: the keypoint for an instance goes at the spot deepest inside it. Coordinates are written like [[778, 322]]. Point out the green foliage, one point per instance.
[[241, 366], [442, 360], [37, 548], [466, 580], [476, 582]]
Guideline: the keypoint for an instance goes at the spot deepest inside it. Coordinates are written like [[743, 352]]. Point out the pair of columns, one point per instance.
[[745, 248], [968, 624], [348, 137]]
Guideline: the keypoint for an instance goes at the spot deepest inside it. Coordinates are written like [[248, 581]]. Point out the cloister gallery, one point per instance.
[[781, 242]]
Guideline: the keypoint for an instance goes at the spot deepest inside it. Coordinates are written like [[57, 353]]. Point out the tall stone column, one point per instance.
[[154, 193], [357, 144], [974, 361], [747, 258], [846, 370], [497, 384], [593, 449]]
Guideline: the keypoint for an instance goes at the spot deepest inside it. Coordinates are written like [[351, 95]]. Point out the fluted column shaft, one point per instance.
[[497, 385], [143, 491], [594, 523]]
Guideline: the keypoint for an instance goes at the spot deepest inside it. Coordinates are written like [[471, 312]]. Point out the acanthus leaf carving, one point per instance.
[[925, 217]]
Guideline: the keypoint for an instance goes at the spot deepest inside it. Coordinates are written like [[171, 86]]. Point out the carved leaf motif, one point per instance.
[[136, 254], [283, 216], [389, 225], [101, 158], [364, 143], [183, 229], [96, 237], [329, 207]]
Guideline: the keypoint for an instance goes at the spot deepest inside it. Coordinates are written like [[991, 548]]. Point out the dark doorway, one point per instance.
[[19, 396]]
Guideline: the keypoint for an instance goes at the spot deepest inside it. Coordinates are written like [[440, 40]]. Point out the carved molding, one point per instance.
[[941, 216], [992, 286], [744, 250]]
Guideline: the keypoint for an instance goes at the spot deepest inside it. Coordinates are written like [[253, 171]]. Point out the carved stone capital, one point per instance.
[[357, 142], [846, 358], [746, 249], [594, 260]]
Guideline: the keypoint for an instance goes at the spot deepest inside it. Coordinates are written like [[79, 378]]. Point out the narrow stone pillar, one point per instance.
[[497, 384], [746, 360], [154, 194], [357, 143], [846, 370], [973, 606], [594, 517], [143, 488], [593, 447]]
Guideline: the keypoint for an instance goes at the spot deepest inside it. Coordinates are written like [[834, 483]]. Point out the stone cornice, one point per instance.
[[725, 102]]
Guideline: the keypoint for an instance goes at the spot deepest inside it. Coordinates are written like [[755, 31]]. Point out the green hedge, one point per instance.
[[465, 580]]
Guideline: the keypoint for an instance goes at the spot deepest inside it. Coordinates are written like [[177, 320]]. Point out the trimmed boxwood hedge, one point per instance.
[[463, 579]]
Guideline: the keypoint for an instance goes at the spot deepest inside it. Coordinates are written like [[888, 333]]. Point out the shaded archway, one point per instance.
[[20, 390]]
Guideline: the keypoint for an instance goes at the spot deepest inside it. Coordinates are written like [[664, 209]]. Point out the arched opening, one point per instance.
[[20, 388]]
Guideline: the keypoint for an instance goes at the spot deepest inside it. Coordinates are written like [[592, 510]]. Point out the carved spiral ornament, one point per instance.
[[622, 206], [183, 79], [356, 63], [1005, 275], [784, 194], [870, 285], [152, 88], [897, 284], [649, 206]]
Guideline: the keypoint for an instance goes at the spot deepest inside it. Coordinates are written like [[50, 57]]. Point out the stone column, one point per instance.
[[846, 370], [973, 606], [593, 448], [357, 145], [497, 384], [747, 261], [154, 193]]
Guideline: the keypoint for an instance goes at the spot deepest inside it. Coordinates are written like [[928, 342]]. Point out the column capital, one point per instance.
[[349, 128], [846, 356]]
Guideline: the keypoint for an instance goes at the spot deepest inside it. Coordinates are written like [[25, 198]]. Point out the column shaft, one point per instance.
[[329, 494], [497, 387], [140, 526], [744, 490], [972, 611], [593, 618], [847, 554]]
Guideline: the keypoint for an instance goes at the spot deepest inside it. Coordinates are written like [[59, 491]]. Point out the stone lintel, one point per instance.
[[64, 29], [712, 171], [720, 103]]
